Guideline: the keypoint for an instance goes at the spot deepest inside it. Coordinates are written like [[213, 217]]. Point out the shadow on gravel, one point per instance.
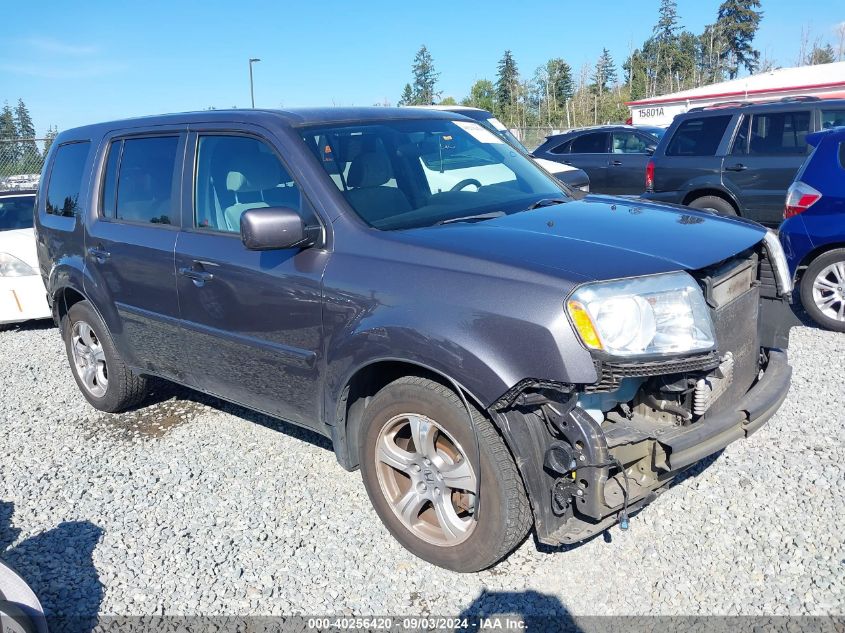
[[30, 326], [505, 610], [58, 567]]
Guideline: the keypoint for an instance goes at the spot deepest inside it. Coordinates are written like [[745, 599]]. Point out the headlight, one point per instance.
[[779, 264], [13, 267], [659, 314]]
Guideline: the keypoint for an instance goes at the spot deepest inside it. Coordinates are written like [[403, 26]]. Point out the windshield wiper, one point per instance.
[[547, 202], [478, 217]]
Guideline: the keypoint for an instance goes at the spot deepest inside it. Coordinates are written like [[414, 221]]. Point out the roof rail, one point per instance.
[[801, 98]]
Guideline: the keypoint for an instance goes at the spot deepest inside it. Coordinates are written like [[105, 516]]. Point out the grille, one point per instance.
[[611, 373]]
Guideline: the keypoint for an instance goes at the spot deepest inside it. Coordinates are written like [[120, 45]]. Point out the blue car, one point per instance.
[[813, 231]]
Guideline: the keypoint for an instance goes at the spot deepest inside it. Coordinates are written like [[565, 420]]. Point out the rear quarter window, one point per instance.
[[698, 137], [66, 179]]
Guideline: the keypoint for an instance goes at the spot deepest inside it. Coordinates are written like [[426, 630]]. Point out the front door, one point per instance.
[[627, 162], [767, 152], [130, 249], [253, 319], [589, 152]]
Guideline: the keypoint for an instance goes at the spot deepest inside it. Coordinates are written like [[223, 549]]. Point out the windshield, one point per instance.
[[406, 174], [16, 212]]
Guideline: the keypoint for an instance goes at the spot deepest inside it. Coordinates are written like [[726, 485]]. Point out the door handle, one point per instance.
[[736, 167], [199, 277], [567, 162], [99, 254], [616, 163]]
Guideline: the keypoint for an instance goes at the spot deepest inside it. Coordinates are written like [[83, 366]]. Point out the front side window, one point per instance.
[[698, 137], [16, 212], [236, 173], [594, 143], [740, 144], [413, 173], [629, 143], [779, 133], [66, 179]]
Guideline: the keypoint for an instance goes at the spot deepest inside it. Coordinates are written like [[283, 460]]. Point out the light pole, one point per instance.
[[252, 60]]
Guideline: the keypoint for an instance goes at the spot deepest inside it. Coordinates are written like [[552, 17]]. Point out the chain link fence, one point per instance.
[[532, 137], [20, 162]]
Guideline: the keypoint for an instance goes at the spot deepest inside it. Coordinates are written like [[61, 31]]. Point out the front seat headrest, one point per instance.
[[369, 169], [253, 172]]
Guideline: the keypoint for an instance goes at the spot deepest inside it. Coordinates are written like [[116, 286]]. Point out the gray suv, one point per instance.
[[738, 159], [493, 354]]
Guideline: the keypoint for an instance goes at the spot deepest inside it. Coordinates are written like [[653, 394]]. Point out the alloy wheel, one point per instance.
[[427, 479], [829, 291], [89, 359]]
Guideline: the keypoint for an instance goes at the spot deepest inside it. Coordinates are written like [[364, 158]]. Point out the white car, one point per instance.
[[575, 178], [22, 294]]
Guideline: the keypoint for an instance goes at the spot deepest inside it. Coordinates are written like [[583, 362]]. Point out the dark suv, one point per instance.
[[493, 355], [737, 159], [614, 156]]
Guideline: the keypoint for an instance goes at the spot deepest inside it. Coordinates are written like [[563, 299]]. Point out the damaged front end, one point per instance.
[[602, 450]]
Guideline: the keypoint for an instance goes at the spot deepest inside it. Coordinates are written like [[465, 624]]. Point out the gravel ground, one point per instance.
[[193, 506]]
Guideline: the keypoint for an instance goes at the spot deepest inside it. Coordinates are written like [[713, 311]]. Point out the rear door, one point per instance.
[[590, 152], [627, 162], [253, 319], [130, 245], [766, 153]]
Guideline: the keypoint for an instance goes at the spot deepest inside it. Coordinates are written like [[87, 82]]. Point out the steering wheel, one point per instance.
[[466, 182]]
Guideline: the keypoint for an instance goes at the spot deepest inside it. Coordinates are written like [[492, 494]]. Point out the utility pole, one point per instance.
[[252, 60]]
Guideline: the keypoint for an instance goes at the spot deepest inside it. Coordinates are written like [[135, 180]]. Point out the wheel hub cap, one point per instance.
[[89, 359], [427, 479], [829, 291]]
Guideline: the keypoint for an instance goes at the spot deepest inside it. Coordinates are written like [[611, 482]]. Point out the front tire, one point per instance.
[[100, 373], [823, 290], [420, 469]]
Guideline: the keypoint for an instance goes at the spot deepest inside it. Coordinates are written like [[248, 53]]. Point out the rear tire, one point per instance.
[[823, 290], [100, 373], [714, 203], [416, 500]]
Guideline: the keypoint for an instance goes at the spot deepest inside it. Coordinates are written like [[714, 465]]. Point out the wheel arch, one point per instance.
[[813, 254], [363, 384], [700, 192]]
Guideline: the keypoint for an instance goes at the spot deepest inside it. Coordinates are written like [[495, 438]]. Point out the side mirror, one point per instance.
[[650, 149], [270, 228]]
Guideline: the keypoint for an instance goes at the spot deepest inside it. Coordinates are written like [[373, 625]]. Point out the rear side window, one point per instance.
[[563, 148], [778, 133], [833, 118], [139, 180], [16, 212], [595, 143], [698, 137], [66, 179]]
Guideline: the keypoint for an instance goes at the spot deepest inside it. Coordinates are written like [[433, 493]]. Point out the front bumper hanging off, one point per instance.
[[651, 455]]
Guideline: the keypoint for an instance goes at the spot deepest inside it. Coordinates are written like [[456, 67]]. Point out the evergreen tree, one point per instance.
[[666, 29], [604, 77], [29, 159], [636, 75], [507, 85], [561, 85], [820, 55], [482, 95], [49, 137], [738, 22], [425, 78], [407, 97], [9, 148]]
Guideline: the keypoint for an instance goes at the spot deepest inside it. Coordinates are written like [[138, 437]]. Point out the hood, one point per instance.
[[551, 166], [597, 238], [20, 243]]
